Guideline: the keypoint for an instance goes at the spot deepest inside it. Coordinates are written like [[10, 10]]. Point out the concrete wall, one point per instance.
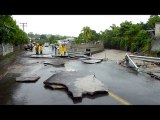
[[8, 48], [5, 49], [157, 30], [156, 41], [82, 47]]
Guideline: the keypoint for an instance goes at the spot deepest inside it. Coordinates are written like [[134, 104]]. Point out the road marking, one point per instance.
[[121, 100]]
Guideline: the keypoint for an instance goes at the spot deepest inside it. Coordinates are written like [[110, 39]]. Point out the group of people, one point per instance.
[[60, 48], [38, 48]]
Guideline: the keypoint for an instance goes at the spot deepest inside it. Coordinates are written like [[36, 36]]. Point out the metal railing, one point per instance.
[[142, 58], [127, 60], [145, 58]]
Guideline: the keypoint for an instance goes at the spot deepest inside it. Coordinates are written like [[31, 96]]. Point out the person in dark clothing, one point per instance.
[[31, 47], [37, 49], [55, 48]]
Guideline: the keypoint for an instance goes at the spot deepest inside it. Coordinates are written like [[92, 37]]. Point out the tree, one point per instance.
[[43, 37], [64, 37], [94, 36], [31, 35], [86, 33], [53, 39], [152, 20], [10, 32]]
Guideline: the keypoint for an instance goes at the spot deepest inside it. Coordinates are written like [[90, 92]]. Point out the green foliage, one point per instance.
[[152, 20], [53, 39], [86, 33], [64, 37], [94, 36], [10, 32], [77, 40], [133, 47], [130, 37]]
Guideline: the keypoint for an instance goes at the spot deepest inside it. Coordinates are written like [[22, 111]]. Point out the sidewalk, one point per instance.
[[7, 61]]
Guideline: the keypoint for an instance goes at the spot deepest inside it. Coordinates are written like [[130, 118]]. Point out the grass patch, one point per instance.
[[9, 55]]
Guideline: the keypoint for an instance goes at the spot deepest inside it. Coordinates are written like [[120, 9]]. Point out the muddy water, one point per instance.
[[112, 54]]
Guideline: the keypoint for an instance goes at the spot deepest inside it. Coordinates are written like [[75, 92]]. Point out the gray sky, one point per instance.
[[71, 25]]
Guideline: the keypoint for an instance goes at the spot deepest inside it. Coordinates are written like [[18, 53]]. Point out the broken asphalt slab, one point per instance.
[[91, 61], [27, 78], [154, 75], [76, 83], [56, 63], [41, 56]]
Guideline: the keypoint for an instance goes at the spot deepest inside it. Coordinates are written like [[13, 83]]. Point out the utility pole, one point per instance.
[[23, 25]]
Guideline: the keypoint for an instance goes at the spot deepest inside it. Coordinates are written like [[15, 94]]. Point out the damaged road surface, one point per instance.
[[56, 63], [91, 61], [76, 83], [125, 85], [28, 78]]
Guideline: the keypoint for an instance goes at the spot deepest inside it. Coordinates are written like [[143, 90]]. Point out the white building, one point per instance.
[[157, 30]]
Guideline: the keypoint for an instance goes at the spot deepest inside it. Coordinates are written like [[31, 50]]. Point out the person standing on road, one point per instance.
[[60, 49], [64, 48], [31, 47], [41, 48], [37, 49], [53, 46]]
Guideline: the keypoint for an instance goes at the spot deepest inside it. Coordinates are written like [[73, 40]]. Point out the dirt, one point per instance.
[[111, 54]]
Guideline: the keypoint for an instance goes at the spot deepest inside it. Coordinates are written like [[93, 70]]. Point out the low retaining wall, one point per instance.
[[8, 48], [82, 47]]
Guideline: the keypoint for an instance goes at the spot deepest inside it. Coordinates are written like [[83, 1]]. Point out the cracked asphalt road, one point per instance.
[[125, 85]]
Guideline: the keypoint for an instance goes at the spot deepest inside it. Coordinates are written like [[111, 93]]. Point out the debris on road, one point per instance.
[[27, 78], [154, 75], [41, 56], [56, 64], [147, 64], [91, 61], [56, 86], [60, 62], [76, 83]]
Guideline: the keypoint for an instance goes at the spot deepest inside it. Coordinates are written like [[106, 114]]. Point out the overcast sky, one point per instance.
[[71, 25]]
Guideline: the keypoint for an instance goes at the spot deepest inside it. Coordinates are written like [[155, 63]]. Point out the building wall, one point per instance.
[[157, 30]]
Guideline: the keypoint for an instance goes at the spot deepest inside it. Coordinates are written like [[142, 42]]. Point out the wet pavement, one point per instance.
[[77, 83], [123, 83]]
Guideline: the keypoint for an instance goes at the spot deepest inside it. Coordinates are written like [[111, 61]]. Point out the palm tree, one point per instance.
[[86, 33]]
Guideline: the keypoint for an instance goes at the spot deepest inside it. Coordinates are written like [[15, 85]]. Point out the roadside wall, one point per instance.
[[8, 48], [157, 30], [82, 47]]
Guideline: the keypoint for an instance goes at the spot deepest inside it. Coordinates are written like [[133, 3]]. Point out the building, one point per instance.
[[156, 40], [157, 30]]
